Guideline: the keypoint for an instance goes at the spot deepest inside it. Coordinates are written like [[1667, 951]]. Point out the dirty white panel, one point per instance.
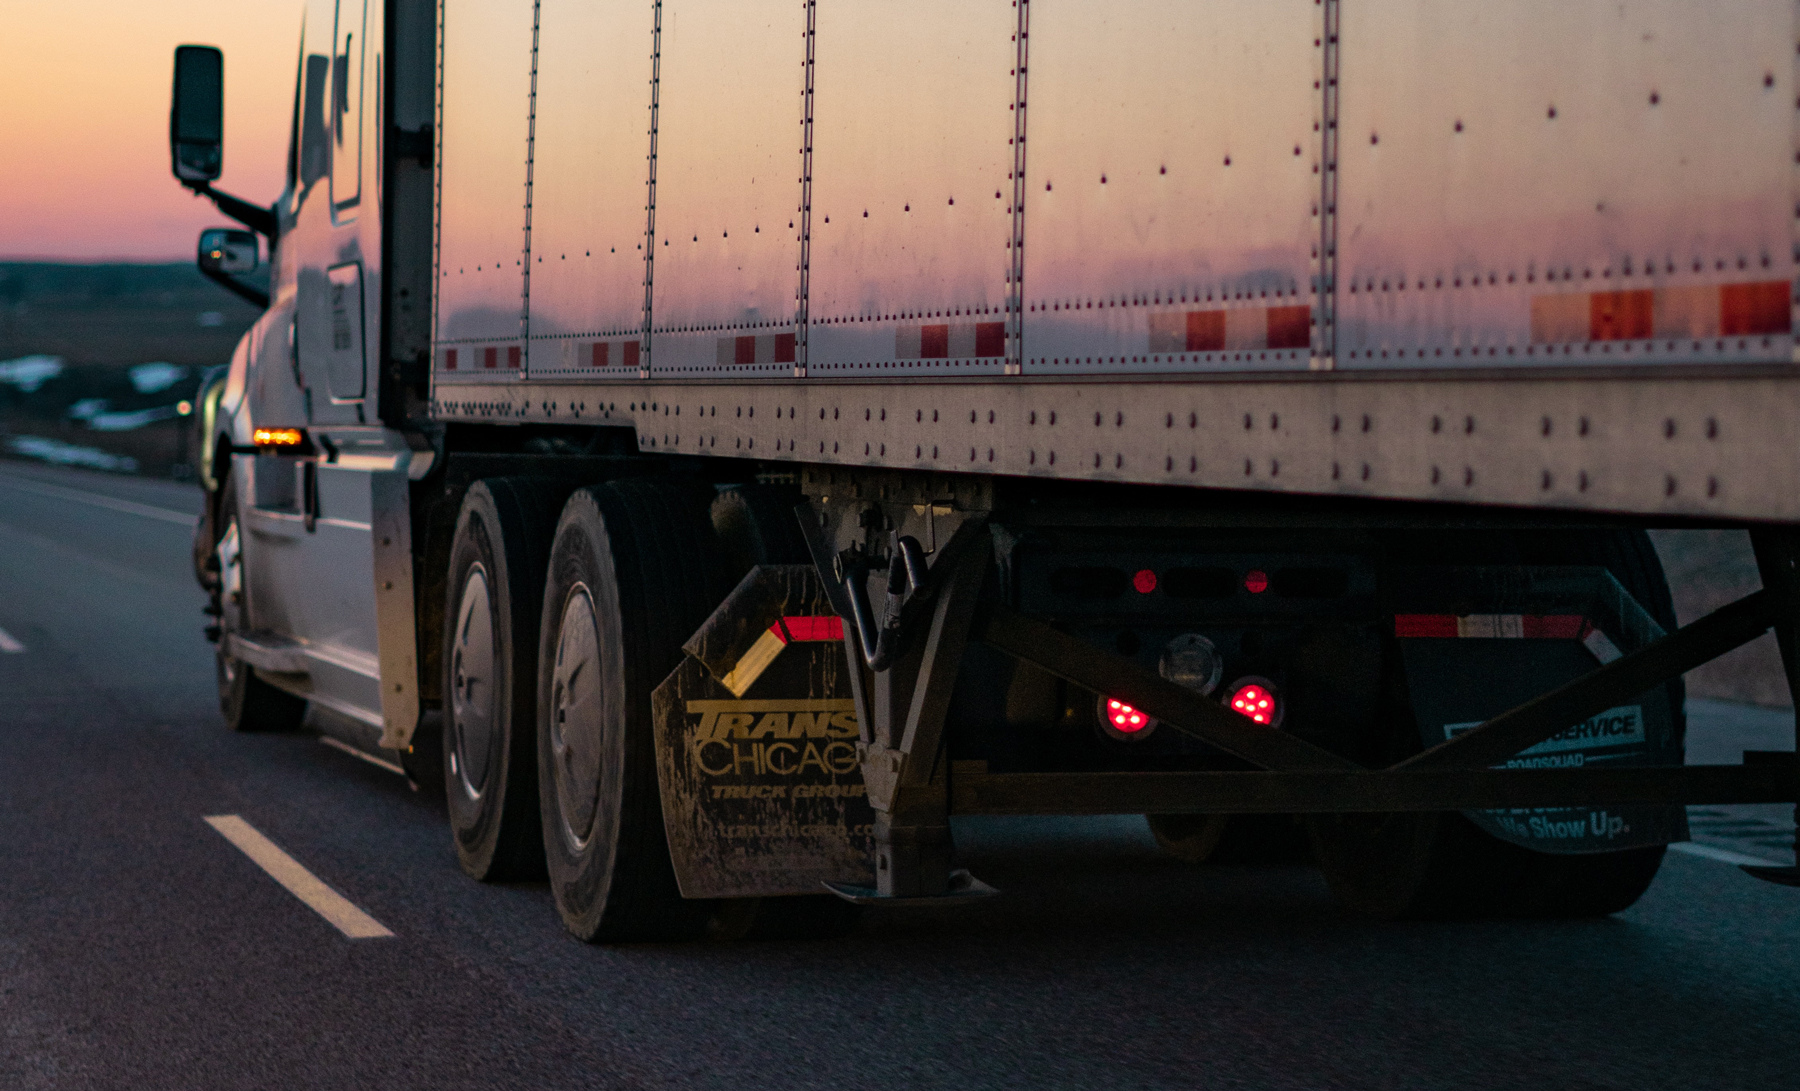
[[590, 185], [727, 251], [1565, 181], [911, 189], [1172, 171], [486, 102]]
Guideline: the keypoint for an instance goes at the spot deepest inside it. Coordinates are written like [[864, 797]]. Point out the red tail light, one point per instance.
[[1121, 721], [1255, 698], [1125, 718]]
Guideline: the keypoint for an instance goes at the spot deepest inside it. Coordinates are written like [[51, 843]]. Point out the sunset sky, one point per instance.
[[84, 116]]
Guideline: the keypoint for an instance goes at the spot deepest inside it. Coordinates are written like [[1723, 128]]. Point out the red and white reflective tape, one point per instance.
[[785, 631], [1692, 312], [622, 353], [1231, 330], [950, 341], [766, 348], [488, 357], [1507, 627]]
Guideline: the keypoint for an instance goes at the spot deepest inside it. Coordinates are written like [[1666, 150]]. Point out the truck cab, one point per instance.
[[308, 442]]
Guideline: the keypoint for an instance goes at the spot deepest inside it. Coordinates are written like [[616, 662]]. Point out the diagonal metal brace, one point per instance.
[[1593, 693], [1182, 709]]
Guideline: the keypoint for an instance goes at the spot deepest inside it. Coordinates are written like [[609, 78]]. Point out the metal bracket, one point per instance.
[[962, 887], [1373, 791], [907, 578], [901, 752]]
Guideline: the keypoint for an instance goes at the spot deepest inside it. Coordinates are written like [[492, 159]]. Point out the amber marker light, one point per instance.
[[278, 437], [183, 408]]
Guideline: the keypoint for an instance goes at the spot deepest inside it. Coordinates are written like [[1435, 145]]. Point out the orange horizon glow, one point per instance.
[[85, 125]]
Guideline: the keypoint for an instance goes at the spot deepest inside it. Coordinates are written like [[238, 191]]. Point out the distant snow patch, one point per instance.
[[151, 378], [28, 373]]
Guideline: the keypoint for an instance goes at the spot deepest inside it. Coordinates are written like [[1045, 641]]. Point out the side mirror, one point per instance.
[[227, 250], [197, 114]]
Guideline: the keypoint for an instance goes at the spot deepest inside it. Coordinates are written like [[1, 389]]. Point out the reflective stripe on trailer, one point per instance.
[[1235, 328], [950, 341], [1507, 627], [1692, 312], [766, 348], [486, 357], [615, 353]]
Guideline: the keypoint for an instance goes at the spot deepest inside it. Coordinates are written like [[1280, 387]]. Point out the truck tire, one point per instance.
[[1437, 865], [1228, 839], [247, 702], [756, 524], [633, 573], [494, 597]]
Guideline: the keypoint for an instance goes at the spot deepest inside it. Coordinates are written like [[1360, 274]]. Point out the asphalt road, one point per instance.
[[139, 948]]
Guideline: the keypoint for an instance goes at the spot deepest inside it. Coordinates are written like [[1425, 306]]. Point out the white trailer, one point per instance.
[[1244, 414]]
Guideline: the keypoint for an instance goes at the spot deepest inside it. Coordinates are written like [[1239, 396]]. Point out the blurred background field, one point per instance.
[[97, 359]]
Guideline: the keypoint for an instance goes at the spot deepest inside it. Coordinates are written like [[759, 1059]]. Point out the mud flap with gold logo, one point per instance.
[[756, 737]]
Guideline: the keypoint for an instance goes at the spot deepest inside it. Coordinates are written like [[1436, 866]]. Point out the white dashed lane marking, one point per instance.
[[82, 496], [8, 645], [301, 883]]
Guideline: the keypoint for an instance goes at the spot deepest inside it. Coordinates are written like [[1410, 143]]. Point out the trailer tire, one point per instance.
[[633, 573], [756, 524], [247, 702], [1190, 838], [1437, 865], [494, 597], [1228, 839]]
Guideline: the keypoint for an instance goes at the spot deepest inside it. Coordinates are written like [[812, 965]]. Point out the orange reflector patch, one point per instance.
[[752, 663]]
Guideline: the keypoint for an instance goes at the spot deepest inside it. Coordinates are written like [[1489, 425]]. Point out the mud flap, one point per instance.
[[1462, 669], [756, 736]]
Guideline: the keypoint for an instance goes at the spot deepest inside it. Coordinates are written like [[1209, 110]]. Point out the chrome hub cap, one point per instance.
[[473, 671], [575, 717]]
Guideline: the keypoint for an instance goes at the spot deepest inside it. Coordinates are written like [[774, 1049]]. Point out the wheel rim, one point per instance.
[[473, 671], [230, 555], [575, 717]]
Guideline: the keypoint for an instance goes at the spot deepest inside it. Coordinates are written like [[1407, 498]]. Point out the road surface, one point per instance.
[[142, 946]]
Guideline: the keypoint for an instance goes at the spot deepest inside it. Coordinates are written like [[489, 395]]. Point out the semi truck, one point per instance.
[[721, 442]]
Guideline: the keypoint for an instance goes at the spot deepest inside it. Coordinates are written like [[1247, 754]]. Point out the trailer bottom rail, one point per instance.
[[1765, 777]]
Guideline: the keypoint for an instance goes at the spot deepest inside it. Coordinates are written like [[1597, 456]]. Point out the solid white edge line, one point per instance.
[[1723, 856], [81, 496], [378, 763], [8, 645], [301, 883]]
